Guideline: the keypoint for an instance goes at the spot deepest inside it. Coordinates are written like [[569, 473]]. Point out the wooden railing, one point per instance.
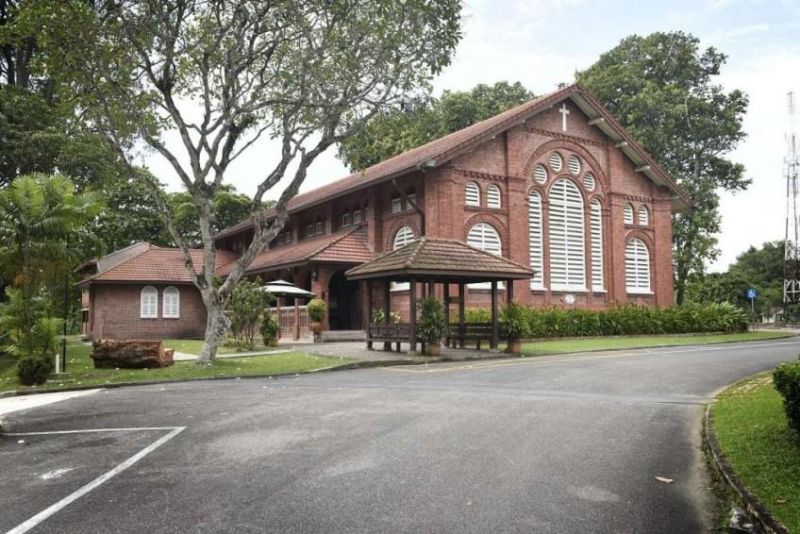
[[293, 320]]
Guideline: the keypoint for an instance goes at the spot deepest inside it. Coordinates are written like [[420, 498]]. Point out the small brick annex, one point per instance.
[[564, 142]]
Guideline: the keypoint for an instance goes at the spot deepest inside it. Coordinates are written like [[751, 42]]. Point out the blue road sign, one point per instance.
[[752, 293]]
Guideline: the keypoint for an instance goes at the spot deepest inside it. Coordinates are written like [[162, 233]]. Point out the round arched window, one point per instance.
[[555, 161], [540, 173]]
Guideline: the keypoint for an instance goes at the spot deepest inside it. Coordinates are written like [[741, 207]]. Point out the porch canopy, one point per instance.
[[282, 288], [432, 260]]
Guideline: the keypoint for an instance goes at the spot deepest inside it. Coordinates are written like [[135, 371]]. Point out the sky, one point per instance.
[[541, 43]]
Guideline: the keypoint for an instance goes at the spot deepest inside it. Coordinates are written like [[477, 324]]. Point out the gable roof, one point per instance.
[[344, 246], [442, 258], [440, 151], [143, 262]]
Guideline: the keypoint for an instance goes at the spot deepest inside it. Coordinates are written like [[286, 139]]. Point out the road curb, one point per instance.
[[758, 512]]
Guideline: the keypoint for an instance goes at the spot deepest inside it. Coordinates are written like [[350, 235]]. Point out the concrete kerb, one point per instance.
[[752, 504]]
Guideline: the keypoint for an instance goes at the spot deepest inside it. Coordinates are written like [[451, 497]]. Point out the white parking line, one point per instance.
[[24, 402], [66, 501]]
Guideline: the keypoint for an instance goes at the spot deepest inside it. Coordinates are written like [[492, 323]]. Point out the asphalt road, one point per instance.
[[556, 444]]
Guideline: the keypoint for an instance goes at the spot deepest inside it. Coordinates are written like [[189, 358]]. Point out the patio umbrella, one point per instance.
[[282, 288]]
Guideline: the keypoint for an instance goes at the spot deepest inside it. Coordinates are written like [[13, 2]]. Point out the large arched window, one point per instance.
[[148, 303], [535, 240], [596, 232], [637, 267], [171, 303], [472, 194], [484, 237], [493, 197], [402, 237], [567, 245]]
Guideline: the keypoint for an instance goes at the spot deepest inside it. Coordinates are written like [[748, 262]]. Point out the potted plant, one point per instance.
[[378, 316], [269, 329], [432, 325], [316, 314], [514, 326]]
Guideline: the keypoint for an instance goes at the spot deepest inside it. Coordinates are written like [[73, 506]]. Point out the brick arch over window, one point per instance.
[[589, 163], [491, 220], [410, 220]]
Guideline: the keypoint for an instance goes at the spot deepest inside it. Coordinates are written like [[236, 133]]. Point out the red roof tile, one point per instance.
[[346, 246], [442, 150], [151, 264]]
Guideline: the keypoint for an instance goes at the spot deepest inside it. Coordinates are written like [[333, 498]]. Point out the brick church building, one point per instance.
[[555, 184]]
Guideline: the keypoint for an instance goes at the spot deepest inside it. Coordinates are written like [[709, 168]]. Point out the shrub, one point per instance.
[[378, 316], [269, 328], [432, 324], [245, 308], [477, 315], [317, 310], [33, 370], [513, 325], [787, 382]]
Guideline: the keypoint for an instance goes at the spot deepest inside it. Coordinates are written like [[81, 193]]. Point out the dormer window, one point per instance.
[[411, 200], [397, 204], [358, 216], [346, 219], [320, 227], [310, 230]]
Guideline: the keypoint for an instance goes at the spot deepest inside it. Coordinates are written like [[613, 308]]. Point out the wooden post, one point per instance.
[[278, 312], [462, 331], [369, 314], [493, 344], [509, 292], [387, 310], [447, 312], [431, 290], [412, 314], [296, 318]]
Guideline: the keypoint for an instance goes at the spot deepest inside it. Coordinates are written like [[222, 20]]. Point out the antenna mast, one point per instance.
[[791, 165]]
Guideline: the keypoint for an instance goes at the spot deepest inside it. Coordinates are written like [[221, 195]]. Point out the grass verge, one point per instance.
[[81, 371], [754, 436], [559, 346], [194, 346]]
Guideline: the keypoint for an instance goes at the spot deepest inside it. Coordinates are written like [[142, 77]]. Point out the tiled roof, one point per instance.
[[150, 263], [442, 150], [445, 257], [345, 246]]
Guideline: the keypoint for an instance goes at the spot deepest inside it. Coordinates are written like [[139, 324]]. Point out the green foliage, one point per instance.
[[661, 88], [33, 370], [269, 328], [787, 381], [25, 321], [477, 315], [245, 308], [634, 320], [401, 128], [378, 316], [513, 322], [317, 309], [432, 324]]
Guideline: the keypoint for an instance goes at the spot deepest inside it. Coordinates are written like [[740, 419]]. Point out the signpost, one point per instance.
[[752, 294]]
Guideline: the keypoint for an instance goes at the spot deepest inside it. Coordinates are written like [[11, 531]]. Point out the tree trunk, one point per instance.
[[216, 326]]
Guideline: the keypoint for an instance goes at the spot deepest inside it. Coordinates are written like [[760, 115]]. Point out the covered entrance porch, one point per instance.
[[434, 267]]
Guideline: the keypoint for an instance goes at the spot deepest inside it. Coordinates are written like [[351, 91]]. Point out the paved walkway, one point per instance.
[[358, 351], [185, 356]]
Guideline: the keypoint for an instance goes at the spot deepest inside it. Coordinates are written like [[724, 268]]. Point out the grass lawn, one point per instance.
[[755, 437], [81, 371], [193, 346], [558, 346]]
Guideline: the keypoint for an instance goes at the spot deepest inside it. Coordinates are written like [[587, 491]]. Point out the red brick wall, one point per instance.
[[114, 313]]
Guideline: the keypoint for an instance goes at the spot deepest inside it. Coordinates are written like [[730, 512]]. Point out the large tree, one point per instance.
[[409, 124], [222, 73], [662, 89]]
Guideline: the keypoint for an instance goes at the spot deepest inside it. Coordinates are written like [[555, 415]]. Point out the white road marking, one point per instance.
[[88, 430], [66, 501], [24, 402], [56, 473]]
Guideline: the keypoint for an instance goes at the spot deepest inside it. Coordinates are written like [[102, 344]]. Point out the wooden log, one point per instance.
[[130, 354]]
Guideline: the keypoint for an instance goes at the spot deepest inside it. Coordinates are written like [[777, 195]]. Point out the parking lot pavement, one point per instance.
[[561, 444]]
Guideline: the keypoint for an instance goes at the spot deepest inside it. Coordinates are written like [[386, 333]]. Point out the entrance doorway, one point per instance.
[[344, 304]]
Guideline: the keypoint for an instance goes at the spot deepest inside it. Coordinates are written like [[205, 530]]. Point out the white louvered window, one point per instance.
[[596, 227], [403, 237], [472, 194], [644, 216], [358, 216], [148, 303], [555, 161], [171, 303], [540, 173], [319, 228], [535, 240], [589, 182], [637, 267], [493, 197], [411, 201], [627, 215], [574, 165], [483, 236], [567, 246], [345, 219]]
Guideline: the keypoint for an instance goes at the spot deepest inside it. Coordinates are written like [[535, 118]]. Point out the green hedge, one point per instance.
[[627, 320], [787, 382]]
